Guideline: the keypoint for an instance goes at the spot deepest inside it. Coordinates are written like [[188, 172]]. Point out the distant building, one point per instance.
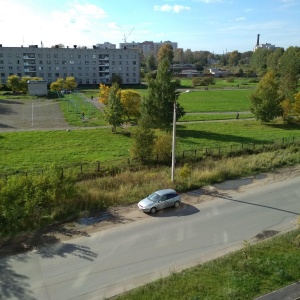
[[106, 45], [87, 66], [147, 47], [218, 72], [263, 46]]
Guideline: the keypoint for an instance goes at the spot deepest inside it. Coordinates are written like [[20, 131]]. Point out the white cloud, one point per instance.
[[175, 8], [208, 1]]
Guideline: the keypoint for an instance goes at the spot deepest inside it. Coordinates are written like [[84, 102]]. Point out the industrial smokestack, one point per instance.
[[257, 43]]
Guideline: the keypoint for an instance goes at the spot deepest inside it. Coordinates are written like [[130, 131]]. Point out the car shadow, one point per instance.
[[182, 211]]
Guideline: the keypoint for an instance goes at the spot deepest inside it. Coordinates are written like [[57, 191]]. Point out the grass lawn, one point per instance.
[[212, 116], [25, 151], [215, 100], [73, 105]]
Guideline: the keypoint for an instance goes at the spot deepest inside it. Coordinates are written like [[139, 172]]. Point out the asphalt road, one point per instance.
[[123, 257]]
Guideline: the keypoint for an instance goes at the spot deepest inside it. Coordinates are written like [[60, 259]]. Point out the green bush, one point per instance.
[[30, 202]]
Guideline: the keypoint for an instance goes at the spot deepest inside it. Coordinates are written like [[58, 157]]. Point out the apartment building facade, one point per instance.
[[148, 47], [86, 65]]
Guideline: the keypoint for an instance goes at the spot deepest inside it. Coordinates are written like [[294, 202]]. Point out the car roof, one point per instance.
[[165, 191]]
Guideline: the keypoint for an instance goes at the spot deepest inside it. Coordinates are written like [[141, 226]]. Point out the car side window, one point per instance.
[[163, 198], [170, 196]]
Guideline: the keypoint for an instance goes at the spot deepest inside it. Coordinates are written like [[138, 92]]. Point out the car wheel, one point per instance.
[[153, 210], [176, 204]]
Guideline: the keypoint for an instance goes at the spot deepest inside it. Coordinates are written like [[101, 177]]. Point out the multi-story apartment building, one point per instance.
[[87, 65], [147, 47]]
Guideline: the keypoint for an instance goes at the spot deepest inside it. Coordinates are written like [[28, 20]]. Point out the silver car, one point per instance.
[[160, 199]]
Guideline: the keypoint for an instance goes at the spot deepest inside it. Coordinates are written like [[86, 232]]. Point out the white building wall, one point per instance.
[[87, 66]]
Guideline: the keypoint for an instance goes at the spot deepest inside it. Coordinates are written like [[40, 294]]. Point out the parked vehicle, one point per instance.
[[159, 200]]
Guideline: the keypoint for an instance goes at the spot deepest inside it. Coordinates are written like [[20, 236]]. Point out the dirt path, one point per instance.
[[118, 216]]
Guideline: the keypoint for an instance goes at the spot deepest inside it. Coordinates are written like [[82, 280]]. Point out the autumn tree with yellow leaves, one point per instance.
[[291, 109], [130, 100]]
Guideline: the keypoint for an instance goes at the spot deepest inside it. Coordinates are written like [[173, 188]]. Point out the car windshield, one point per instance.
[[153, 197]]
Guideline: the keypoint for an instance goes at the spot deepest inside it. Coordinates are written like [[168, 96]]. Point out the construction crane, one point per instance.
[[126, 37]]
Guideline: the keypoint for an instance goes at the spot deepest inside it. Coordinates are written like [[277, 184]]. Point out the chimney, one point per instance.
[[257, 43]]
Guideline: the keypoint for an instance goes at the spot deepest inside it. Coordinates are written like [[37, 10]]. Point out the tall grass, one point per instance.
[[130, 186]]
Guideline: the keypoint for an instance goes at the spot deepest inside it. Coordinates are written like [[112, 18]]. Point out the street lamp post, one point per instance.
[[174, 135]]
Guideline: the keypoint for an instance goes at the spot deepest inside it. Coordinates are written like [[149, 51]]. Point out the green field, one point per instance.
[[215, 100], [25, 151]]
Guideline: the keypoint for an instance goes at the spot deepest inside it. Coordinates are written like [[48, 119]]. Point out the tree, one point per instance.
[[115, 78], [104, 92], [178, 56], [165, 52], [273, 59], [265, 100], [289, 69], [291, 109], [70, 83], [58, 85], [163, 145], [234, 58], [113, 112], [17, 84], [143, 143], [13, 82], [259, 59], [151, 62], [131, 101], [157, 107], [189, 56]]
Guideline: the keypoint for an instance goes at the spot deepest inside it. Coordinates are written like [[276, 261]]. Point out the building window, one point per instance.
[[57, 68], [86, 62], [79, 56], [55, 55], [71, 62], [49, 74], [40, 68], [57, 74], [48, 62], [79, 68], [48, 56], [56, 62], [64, 62]]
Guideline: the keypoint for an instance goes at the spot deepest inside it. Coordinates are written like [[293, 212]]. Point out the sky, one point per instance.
[[218, 26]]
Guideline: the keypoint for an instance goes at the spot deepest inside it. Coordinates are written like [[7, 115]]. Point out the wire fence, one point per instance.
[[111, 167]]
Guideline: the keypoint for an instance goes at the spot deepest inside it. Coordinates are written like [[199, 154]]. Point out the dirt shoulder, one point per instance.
[[118, 216]]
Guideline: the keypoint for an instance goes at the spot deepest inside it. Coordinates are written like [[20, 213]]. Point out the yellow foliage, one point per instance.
[[163, 145], [104, 92], [131, 101]]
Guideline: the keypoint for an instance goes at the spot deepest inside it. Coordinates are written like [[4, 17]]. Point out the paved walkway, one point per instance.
[[291, 292]]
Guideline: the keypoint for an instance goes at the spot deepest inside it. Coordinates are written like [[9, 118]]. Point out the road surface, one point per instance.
[[122, 257]]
